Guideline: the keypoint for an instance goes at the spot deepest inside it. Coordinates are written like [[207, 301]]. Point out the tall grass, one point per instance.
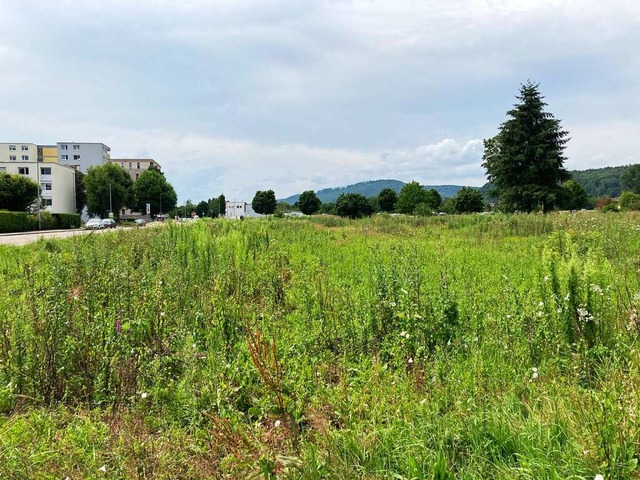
[[448, 347]]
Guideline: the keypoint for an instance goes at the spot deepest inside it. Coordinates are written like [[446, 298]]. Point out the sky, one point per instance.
[[234, 96]]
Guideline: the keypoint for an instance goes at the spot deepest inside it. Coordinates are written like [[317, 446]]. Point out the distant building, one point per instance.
[[238, 210], [57, 182], [135, 166], [82, 155]]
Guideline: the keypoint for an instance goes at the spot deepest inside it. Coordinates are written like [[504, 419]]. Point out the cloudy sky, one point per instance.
[[238, 95]]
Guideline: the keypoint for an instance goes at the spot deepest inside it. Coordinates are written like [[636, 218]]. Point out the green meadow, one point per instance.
[[462, 347]]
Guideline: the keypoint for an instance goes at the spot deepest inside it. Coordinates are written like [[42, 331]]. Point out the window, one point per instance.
[[76, 147], [63, 147], [25, 157], [12, 158], [76, 157], [46, 186], [23, 170], [25, 148], [137, 175], [138, 167], [122, 164], [65, 157], [12, 148], [130, 165], [45, 171], [48, 202], [3, 169]]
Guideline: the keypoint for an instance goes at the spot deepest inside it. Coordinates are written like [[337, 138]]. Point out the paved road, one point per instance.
[[25, 238]]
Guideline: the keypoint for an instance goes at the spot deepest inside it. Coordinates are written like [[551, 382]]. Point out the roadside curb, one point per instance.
[[38, 232]]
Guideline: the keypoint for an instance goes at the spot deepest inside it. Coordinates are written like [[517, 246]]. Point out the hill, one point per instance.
[[600, 182], [370, 189]]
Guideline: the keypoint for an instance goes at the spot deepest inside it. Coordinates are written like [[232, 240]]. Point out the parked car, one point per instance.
[[93, 224], [108, 223], [140, 222]]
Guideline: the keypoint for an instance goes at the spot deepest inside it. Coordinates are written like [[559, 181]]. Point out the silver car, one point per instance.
[[93, 224]]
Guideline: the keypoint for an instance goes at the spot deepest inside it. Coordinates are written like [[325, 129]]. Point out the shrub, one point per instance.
[[66, 220], [15, 222]]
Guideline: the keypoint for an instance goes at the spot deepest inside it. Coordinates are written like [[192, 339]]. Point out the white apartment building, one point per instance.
[[238, 210], [82, 155], [57, 182]]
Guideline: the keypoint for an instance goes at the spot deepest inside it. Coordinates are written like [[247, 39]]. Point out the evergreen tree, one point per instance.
[[524, 162], [222, 205]]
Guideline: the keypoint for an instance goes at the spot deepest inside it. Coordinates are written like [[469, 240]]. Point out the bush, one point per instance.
[[66, 220], [15, 222]]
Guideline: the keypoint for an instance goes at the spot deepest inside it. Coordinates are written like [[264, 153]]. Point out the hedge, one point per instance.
[[66, 220], [16, 222], [11, 222]]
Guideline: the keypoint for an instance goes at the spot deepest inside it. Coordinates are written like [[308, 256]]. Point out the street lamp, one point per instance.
[[110, 203], [160, 203]]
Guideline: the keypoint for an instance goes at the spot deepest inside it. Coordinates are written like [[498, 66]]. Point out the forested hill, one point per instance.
[[370, 189], [600, 182]]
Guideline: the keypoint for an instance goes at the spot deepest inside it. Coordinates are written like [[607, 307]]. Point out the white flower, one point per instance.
[[535, 375], [546, 278], [508, 316], [162, 314], [410, 360], [393, 304], [535, 369], [277, 423], [144, 395], [103, 469], [541, 305], [598, 477]]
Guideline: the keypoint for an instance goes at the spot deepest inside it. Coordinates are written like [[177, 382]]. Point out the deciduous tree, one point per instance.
[[17, 192], [468, 200], [308, 202], [108, 187], [387, 199], [152, 187], [264, 202], [353, 205]]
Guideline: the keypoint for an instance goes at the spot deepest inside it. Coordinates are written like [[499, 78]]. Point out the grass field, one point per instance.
[[471, 347]]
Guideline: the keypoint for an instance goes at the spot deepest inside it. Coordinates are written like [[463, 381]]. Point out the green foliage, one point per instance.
[[151, 187], [574, 196], [18, 193], [600, 182], [468, 200], [524, 162], [387, 199], [630, 179], [66, 220], [16, 222], [264, 202], [630, 201], [108, 187], [81, 192], [309, 203], [202, 209], [353, 205], [414, 194], [222, 204], [328, 208]]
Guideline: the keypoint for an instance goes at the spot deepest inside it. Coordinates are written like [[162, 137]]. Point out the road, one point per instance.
[[29, 237]]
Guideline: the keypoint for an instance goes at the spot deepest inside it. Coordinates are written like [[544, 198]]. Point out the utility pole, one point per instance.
[[110, 204]]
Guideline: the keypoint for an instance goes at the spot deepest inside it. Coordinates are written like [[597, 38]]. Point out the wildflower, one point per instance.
[[276, 423], [598, 477], [410, 361], [546, 278], [162, 314], [534, 375], [160, 283], [475, 339], [508, 316], [103, 469], [393, 304], [541, 305], [596, 288], [144, 395]]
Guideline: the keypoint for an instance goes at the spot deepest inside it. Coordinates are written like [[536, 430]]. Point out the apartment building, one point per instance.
[[57, 182], [48, 153], [82, 155], [135, 166]]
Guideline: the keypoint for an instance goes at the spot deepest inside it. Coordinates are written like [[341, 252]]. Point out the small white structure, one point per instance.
[[238, 210]]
